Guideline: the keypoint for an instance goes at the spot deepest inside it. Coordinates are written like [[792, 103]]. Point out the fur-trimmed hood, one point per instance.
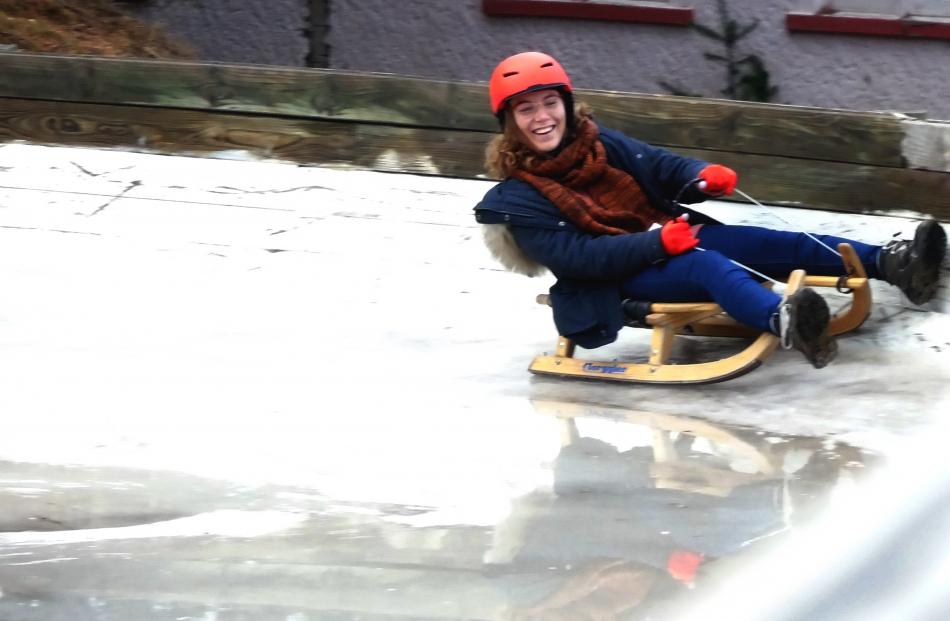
[[501, 243]]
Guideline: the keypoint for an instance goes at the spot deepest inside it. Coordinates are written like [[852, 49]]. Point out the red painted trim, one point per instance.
[[873, 26], [672, 16]]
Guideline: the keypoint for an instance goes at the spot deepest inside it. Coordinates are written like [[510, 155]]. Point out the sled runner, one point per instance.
[[708, 319]]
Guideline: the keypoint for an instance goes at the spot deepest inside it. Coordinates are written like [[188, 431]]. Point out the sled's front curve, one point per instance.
[[845, 319]]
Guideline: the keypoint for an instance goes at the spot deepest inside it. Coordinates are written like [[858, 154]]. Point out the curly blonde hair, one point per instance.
[[508, 151]]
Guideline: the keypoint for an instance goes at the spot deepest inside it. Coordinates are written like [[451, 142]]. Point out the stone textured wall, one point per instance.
[[271, 32], [452, 39]]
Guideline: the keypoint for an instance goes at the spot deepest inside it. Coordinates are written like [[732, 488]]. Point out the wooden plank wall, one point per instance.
[[827, 159]]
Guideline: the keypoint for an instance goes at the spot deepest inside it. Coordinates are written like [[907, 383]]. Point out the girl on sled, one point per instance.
[[582, 200]]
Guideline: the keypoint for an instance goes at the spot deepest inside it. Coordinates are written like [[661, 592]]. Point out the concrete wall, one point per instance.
[[454, 40]]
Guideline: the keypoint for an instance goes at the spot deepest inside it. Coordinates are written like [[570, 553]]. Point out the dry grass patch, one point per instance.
[[97, 27]]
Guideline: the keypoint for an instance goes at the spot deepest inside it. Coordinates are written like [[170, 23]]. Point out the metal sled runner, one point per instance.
[[667, 320]]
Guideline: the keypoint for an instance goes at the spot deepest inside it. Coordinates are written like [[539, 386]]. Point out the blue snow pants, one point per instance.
[[696, 276]]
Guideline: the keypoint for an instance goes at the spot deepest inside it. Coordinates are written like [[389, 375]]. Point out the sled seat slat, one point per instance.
[[685, 307], [834, 281], [678, 319], [660, 307]]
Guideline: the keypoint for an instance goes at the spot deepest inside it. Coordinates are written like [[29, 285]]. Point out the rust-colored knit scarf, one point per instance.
[[596, 197]]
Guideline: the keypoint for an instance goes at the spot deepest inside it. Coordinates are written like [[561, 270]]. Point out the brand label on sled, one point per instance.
[[603, 368]]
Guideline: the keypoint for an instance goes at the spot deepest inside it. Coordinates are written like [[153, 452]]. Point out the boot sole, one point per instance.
[[930, 242], [810, 329]]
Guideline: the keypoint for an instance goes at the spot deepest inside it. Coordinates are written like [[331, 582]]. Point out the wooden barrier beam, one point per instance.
[[307, 93], [718, 125], [191, 132], [794, 182]]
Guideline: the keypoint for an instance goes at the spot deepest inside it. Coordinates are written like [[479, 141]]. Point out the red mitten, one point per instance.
[[682, 565], [677, 236], [719, 180]]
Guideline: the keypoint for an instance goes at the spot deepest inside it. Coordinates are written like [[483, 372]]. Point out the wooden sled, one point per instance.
[[707, 319]]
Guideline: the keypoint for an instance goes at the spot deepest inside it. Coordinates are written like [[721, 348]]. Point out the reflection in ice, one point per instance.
[[634, 512]]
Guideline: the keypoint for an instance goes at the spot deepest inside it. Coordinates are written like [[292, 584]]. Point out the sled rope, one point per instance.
[[840, 286], [758, 204], [786, 342], [748, 269]]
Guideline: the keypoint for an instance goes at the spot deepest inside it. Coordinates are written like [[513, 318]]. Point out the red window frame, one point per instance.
[[585, 9], [876, 25]]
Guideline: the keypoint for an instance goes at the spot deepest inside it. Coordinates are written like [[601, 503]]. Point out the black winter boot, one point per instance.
[[914, 265], [803, 324]]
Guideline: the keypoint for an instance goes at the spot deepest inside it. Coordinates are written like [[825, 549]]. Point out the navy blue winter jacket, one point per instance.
[[591, 268]]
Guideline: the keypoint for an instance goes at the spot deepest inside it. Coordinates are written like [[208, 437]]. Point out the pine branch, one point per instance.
[[708, 32], [748, 28]]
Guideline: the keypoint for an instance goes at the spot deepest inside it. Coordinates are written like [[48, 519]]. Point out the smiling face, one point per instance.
[[541, 118]]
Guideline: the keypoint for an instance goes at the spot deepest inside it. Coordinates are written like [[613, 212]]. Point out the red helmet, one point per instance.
[[523, 73]]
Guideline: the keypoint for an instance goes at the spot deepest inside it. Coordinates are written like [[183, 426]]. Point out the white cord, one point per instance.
[[747, 268], [744, 195], [685, 218]]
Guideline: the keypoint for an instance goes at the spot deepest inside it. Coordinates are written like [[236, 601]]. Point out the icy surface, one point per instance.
[[144, 295], [345, 335]]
